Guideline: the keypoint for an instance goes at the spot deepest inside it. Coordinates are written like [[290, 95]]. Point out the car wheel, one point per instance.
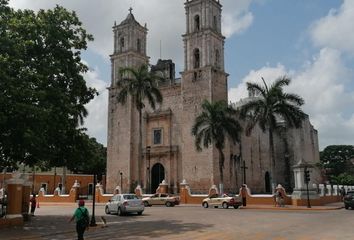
[[119, 212], [146, 204], [346, 207], [205, 205], [106, 210], [225, 205], [236, 206], [140, 213], [168, 204]]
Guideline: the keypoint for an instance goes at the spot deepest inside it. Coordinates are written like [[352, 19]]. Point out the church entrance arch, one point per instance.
[[267, 182], [157, 176]]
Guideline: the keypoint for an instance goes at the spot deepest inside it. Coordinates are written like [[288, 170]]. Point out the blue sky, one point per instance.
[[312, 41]]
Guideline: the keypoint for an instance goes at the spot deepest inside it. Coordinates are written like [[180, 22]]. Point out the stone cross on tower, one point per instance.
[[130, 10]]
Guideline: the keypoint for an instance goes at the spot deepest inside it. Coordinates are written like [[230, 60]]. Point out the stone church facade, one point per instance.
[[169, 151]]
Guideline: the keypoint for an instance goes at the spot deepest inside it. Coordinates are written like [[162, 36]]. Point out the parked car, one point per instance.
[[161, 199], [224, 201], [349, 200], [124, 203]]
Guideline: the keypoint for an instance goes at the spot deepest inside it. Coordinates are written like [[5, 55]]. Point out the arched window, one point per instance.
[[138, 45], [267, 184], [215, 23], [121, 44], [217, 58], [157, 176], [196, 54], [196, 23]]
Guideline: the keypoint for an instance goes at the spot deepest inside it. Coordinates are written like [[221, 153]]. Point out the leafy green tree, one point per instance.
[[141, 85], [42, 89], [91, 157], [216, 123], [343, 179], [270, 106], [337, 162]]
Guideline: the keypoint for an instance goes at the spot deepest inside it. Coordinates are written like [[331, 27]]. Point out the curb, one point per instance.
[[314, 208]]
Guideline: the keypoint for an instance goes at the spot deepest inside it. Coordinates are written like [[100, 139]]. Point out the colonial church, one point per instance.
[[169, 151]]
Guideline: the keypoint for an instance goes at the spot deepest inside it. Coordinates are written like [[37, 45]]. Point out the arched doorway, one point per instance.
[[267, 182], [157, 175]]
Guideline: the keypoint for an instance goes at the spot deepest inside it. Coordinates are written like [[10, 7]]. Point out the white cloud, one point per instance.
[[165, 21], [96, 122], [268, 73], [322, 83], [236, 17], [336, 29]]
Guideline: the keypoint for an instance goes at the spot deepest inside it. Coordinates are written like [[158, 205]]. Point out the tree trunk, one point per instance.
[[287, 169], [221, 166], [63, 183], [139, 146], [271, 158]]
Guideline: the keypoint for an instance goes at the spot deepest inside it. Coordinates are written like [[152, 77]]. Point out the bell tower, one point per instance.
[[129, 51], [203, 41], [203, 78]]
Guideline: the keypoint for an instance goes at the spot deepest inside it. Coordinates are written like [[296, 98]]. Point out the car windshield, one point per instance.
[[127, 197], [351, 194]]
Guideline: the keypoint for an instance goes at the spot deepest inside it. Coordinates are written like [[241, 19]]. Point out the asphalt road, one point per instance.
[[191, 222]]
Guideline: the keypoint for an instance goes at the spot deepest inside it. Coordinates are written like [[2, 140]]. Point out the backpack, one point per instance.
[[85, 220]]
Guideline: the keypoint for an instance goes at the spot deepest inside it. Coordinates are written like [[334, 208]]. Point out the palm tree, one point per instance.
[[216, 122], [270, 106], [141, 85]]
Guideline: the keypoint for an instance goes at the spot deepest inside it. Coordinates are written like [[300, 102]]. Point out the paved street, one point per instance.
[[192, 222]]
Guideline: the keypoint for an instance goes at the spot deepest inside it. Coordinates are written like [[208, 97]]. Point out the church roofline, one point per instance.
[[130, 19], [195, 2]]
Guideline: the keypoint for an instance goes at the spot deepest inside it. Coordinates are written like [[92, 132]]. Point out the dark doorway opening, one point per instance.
[[267, 182], [157, 175]]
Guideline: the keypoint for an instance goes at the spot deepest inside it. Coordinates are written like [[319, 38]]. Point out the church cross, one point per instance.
[[130, 10], [244, 172]]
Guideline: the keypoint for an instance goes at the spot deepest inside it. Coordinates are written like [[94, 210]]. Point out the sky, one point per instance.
[[310, 41]]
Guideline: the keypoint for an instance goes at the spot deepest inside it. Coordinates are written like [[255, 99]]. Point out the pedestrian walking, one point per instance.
[[342, 193], [243, 194], [280, 195], [33, 202], [81, 216]]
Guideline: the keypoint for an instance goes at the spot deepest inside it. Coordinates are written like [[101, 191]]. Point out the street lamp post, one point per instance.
[[148, 185], [54, 180], [121, 181], [93, 219]]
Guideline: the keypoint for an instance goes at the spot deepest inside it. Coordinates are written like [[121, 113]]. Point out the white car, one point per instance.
[[224, 201], [124, 203], [161, 199]]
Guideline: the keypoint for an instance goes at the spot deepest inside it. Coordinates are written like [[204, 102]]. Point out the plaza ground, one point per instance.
[[193, 222]]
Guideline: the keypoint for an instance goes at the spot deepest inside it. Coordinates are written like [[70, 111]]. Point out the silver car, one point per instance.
[[124, 203]]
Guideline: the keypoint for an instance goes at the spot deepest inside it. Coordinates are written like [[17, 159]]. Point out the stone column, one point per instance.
[[14, 196], [300, 190], [138, 191], [183, 191], [163, 187], [26, 194], [74, 191]]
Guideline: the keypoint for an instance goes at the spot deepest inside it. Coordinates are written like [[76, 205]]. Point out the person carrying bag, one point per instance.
[[81, 215]]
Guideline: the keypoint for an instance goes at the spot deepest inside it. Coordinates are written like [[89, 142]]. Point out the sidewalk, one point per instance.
[[332, 206]]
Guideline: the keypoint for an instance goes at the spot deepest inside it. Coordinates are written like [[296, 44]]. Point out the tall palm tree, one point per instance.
[[270, 106], [141, 85], [216, 122]]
